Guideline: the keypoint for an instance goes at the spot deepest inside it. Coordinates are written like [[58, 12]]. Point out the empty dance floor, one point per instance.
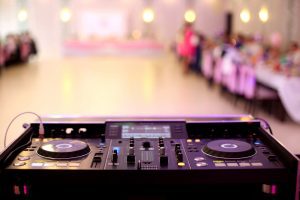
[[123, 85]]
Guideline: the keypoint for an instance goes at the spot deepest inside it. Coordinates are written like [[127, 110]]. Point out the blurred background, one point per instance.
[[151, 57]]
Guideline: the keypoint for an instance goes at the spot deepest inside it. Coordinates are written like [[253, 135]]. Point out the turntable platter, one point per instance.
[[64, 149], [229, 149]]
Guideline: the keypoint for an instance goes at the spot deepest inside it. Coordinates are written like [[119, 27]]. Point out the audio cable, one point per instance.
[[41, 126], [267, 125]]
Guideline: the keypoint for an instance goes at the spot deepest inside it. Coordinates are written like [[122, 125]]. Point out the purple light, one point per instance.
[[25, 189], [273, 189]]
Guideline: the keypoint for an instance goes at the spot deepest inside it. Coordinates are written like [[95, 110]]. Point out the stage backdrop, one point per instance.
[[103, 24]]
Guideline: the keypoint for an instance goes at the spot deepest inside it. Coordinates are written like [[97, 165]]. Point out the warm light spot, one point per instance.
[[245, 118], [263, 14], [65, 15], [181, 164], [245, 15], [22, 15], [148, 15], [190, 16], [136, 34]]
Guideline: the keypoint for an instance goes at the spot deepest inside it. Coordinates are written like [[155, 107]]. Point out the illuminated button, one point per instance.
[[220, 164], [23, 158], [257, 143], [197, 140], [199, 159], [218, 161], [62, 164], [257, 164], [74, 164], [19, 164], [37, 164], [244, 164], [189, 140], [181, 164], [201, 164], [116, 150], [232, 165], [49, 164]]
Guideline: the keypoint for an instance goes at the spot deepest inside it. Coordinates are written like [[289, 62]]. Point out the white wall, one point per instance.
[[8, 17], [210, 17], [280, 15], [45, 25], [168, 15]]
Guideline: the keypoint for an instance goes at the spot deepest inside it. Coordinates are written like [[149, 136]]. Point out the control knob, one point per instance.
[[146, 144]]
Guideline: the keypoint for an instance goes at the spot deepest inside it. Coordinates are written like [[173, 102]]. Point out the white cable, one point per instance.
[[41, 127]]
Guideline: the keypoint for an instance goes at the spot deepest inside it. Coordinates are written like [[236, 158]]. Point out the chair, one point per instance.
[[252, 91], [207, 66], [2, 58], [230, 79], [25, 51], [217, 73]]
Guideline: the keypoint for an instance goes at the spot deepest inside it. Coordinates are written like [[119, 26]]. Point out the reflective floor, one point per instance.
[[122, 85]]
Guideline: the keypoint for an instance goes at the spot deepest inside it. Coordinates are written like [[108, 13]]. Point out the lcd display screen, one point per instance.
[[146, 131]]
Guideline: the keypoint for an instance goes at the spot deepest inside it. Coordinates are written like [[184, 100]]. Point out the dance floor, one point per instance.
[[112, 47], [117, 85]]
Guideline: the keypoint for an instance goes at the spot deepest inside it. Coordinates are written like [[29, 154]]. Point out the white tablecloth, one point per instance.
[[288, 89]]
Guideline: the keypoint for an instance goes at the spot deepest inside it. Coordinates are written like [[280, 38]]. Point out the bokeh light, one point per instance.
[[190, 16], [148, 15], [263, 14], [245, 15], [22, 15], [65, 15]]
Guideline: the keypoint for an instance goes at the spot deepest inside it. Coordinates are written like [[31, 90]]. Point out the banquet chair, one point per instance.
[[207, 66], [25, 51], [252, 91], [217, 72], [2, 58]]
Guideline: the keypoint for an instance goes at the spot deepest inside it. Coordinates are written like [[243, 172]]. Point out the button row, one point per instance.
[[243, 164], [53, 164]]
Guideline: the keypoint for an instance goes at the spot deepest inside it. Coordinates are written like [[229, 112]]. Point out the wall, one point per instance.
[[280, 15], [49, 31], [45, 25], [8, 13], [168, 15], [210, 17]]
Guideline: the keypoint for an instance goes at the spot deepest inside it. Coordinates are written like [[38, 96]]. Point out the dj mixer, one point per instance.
[[148, 158]]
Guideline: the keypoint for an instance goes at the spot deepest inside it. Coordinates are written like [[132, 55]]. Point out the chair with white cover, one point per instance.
[[254, 92], [207, 65]]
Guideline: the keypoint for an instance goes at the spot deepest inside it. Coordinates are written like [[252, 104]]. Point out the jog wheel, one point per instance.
[[64, 149], [229, 149]]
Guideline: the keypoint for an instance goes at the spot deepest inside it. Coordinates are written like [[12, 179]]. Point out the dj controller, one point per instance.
[[148, 158]]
